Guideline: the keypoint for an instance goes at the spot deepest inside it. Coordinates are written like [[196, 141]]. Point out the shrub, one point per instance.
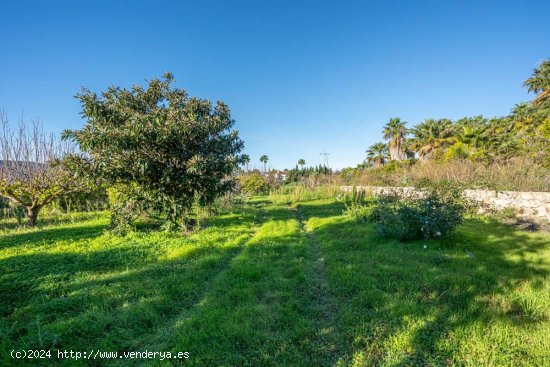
[[428, 212], [11, 210], [357, 206], [253, 183], [124, 208]]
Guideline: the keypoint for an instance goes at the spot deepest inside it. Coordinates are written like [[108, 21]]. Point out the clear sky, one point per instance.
[[299, 76]]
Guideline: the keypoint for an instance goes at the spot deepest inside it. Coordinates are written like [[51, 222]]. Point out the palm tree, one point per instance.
[[264, 158], [539, 82], [302, 162], [430, 136], [488, 140], [377, 154], [471, 133], [246, 160], [395, 131]]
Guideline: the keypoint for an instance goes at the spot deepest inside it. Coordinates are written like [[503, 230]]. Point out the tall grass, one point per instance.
[[299, 193], [517, 174]]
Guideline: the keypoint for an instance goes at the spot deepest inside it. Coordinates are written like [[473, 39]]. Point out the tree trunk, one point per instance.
[[32, 215], [395, 153]]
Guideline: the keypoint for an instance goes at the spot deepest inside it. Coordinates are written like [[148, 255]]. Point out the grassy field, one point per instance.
[[277, 284]]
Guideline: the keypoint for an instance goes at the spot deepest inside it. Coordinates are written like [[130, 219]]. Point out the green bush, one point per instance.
[[124, 208], [428, 212], [357, 205], [253, 184]]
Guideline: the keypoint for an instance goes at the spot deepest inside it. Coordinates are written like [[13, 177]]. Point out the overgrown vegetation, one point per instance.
[[509, 153], [297, 285], [298, 192], [424, 214], [515, 174], [433, 210], [304, 275], [253, 183]]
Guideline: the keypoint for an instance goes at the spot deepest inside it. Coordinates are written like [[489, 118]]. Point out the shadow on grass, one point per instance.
[[51, 235], [118, 299], [327, 208], [46, 220], [252, 304], [126, 297], [386, 289]]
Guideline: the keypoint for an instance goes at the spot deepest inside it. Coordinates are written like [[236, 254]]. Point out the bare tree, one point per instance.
[[32, 171]]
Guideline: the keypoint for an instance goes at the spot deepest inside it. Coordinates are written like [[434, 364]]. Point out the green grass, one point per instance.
[[288, 194], [274, 284]]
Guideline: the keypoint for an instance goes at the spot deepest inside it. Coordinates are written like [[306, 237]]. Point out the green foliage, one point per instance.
[[528, 305], [300, 175], [264, 158], [174, 150], [125, 207], [295, 193], [392, 166], [253, 184], [299, 286], [377, 154], [4, 203], [428, 212], [12, 211], [34, 170], [357, 206], [95, 199], [541, 141], [395, 131], [456, 151], [539, 82], [522, 133], [430, 136]]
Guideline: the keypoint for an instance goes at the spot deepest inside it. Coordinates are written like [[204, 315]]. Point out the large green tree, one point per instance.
[[168, 149], [395, 132]]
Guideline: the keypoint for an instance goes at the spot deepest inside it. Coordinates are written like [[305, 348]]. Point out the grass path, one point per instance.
[[255, 313], [278, 285], [162, 339], [327, 342]]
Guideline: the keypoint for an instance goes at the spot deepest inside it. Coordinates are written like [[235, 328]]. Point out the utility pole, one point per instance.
[[325, 158]]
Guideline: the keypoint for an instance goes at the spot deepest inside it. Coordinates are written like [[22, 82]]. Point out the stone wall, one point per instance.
[[528, 204]]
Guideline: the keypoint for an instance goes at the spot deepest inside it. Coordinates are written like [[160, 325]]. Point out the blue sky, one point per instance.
[[299, 76]]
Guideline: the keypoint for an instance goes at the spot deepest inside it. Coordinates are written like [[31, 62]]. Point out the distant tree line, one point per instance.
[[524, 132]]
